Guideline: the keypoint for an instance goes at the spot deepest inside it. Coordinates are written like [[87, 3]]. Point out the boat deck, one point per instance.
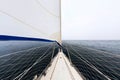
[[60, 69]]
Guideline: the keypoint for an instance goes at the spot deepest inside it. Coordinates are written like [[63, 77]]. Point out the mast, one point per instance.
[[60, 23]]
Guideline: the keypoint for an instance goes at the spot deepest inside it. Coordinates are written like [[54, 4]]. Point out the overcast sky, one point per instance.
[[91, 19]]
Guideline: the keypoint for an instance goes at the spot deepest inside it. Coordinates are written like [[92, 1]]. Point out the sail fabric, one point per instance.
[[30, 18]]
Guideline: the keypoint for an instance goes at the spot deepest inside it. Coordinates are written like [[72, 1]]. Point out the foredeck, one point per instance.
[[61, 69]]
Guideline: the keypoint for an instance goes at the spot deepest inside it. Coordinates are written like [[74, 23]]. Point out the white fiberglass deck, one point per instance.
[[61, 69]]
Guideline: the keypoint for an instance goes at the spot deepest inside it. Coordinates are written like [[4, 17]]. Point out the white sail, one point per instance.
[[30, 18]]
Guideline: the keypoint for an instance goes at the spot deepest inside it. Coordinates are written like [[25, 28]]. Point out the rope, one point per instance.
[[47, 65], [23, 22], [68, 55], [37, 61], [73, 64], [53, 52], [22, 51], [38, 2], [87, 62]]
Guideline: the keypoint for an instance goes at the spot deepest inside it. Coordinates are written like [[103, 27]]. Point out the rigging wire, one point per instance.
[[49, 63], [48, 11], [68, 54], [53, 51], [20, 76], [68, 51], [23, 22], [89, 64], [21, 51]]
